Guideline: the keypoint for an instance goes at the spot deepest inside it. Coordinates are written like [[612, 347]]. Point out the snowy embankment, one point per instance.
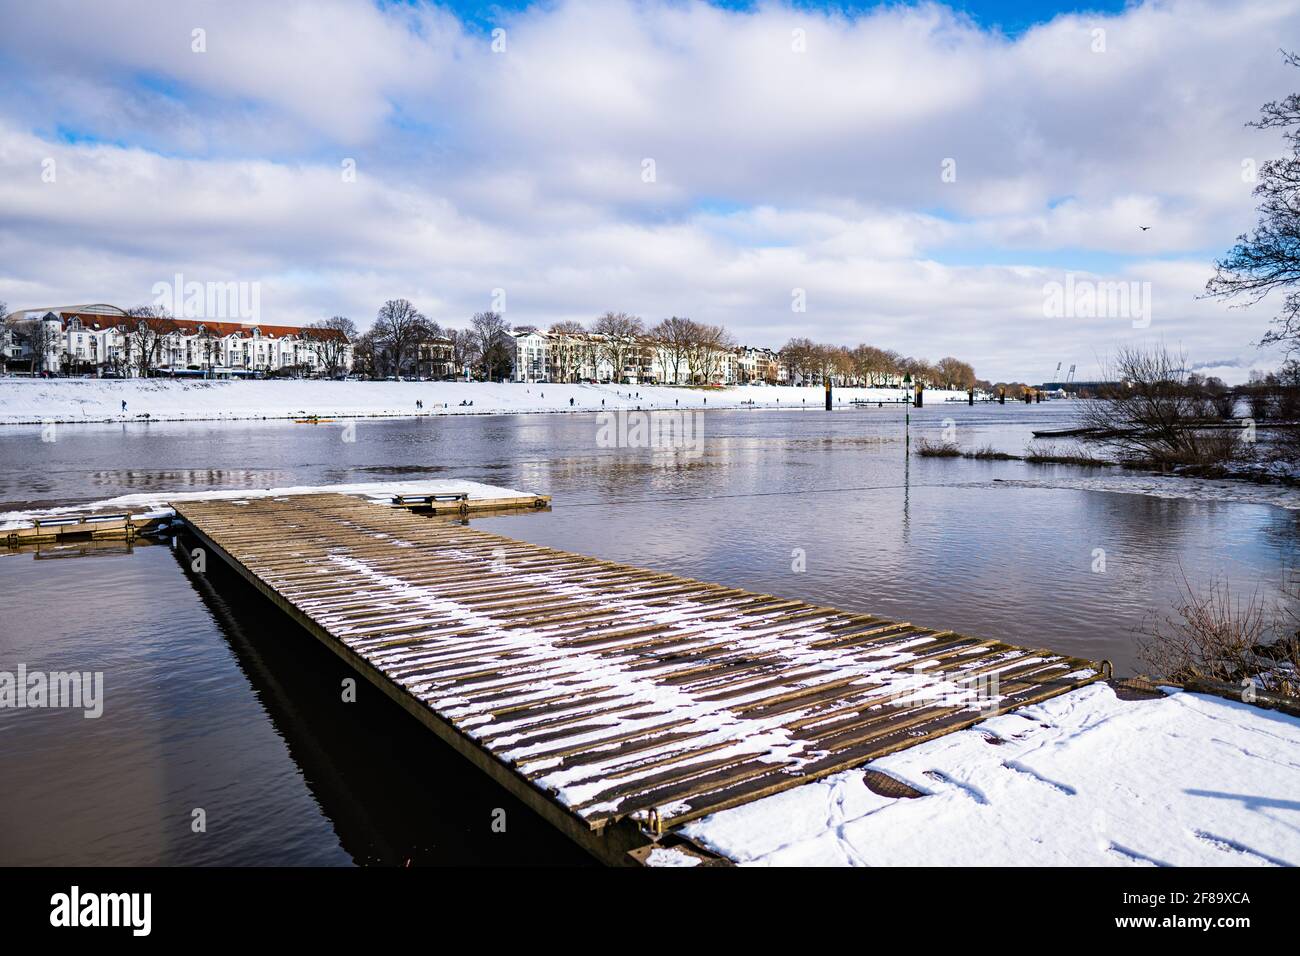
[[1084, 779], [38, 401], [152, 506]]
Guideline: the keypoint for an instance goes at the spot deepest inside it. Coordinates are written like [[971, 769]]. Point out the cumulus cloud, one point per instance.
[[792, 149]]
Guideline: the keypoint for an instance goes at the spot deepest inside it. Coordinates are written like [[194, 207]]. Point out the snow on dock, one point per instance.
[[619, 702], [146, 508], [1084, 779]]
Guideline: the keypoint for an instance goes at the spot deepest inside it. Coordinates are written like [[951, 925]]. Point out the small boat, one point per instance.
[[1065, 432], [312, 421]]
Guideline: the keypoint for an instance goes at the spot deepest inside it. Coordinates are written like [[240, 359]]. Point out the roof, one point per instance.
[[106, 316]]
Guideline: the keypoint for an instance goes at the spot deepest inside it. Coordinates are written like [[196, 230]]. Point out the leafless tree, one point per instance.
[[801, 358], [954, 373], [1150, 415], [494, 345], [566, 349], [618, 333], [1268, 258], [329, 340], [399, 326], [146, 330], [872, 365], [705, 350], [672, 341]]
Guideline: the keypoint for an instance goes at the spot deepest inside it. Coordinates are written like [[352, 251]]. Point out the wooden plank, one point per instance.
[[607, 696]]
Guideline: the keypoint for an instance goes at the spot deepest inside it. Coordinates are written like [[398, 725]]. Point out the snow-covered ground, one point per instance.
[[1084, 779], [152, 505], [25, 401]]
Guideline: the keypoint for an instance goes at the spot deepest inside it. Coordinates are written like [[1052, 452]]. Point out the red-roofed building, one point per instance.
[[106, 340]]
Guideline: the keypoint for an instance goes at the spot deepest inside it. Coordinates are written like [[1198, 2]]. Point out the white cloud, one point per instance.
[[522, 170]]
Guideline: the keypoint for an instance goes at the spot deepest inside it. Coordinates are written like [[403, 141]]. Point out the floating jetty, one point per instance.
[[618, 702]]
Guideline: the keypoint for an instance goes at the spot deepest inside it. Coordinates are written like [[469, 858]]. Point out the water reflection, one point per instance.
[[214, 700]]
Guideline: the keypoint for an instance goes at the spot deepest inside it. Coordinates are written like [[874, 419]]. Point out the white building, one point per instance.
[[103, 339], [590, 356]]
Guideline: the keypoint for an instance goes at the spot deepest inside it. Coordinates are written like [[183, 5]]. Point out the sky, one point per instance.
[[916, 176]]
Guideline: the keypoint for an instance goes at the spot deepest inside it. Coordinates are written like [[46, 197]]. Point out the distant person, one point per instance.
[[570, 402], [124, 406]]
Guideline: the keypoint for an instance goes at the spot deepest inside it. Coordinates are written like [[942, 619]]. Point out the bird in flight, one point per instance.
[[1144, 228]]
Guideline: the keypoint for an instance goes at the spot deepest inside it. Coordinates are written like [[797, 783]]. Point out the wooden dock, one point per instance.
[[616, 701], [87, 527]]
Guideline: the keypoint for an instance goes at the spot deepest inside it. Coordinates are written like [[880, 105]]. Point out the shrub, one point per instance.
[[1215, 636], [940, 449]]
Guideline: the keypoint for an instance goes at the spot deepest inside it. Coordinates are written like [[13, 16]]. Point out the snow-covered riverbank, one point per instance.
[[37, 401], [1084, 779]]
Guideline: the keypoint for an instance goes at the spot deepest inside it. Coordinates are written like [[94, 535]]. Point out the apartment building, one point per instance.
[[591, 357], [104, 340]]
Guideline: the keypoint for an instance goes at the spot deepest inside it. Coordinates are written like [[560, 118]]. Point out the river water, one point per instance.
[[215, 703]]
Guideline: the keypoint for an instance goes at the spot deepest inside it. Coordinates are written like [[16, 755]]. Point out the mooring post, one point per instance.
[[907, 414], [919, 400], [970, 396], [828, 393], [1002, 396]]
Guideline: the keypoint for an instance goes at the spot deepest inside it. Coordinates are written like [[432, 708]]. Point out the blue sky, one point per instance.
[[1011, 16], [921, 174]]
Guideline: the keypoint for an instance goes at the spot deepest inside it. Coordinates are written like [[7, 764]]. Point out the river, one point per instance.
[[214, 702]]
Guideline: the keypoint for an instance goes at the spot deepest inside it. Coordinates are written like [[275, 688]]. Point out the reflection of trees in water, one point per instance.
[[392, 790]]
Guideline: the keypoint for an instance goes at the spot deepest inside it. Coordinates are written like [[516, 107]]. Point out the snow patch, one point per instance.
[[1083, 779]]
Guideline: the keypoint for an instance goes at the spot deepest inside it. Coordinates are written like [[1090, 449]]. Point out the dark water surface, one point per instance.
[[215, 701]]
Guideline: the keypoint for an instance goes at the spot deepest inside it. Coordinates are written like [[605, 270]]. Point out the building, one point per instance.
[[590, 357], [754, 365], [103, 339], [435, 359]]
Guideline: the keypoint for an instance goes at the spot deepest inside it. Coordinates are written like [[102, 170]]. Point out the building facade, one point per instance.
[[591, 357], [105, 340]]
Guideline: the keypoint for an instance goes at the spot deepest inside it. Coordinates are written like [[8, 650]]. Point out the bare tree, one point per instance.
[[399, 326], [495, 347], [672, 341], [329, 340], [566, 349], [619, 332], [365, 360], [954, 373], [1150, 415], [1268, 258], [146, 331], [800, 357], [872, 365]]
